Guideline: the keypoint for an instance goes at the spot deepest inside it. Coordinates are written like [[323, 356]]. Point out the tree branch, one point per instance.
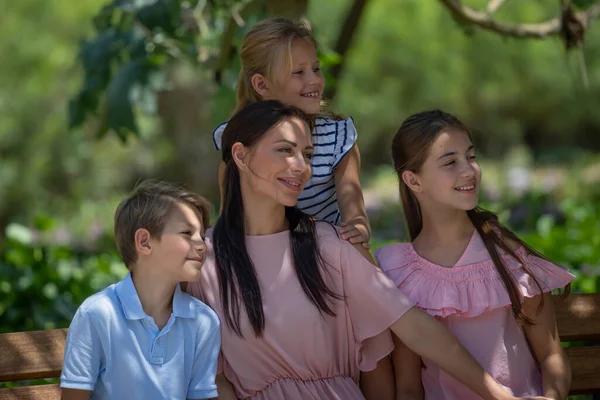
[[493, 5], [540, 30], [483, 20], [226, 50], [593, 11]]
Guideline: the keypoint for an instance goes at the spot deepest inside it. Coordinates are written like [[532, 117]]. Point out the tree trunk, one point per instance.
[[186, 123], [344, 42]]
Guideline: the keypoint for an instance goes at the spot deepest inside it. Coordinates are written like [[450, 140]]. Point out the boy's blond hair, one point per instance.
[[148, 207]]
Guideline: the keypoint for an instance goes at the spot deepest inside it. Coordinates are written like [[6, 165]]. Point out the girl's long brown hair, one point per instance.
[[410, 148]]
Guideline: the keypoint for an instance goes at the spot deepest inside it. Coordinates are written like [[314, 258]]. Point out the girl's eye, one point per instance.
[[308, 156], [187, 233], [472, 157], [316, 69], [298, 72], [450, 163]]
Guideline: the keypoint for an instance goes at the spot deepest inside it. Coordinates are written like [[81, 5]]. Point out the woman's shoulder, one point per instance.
[[327, 233]]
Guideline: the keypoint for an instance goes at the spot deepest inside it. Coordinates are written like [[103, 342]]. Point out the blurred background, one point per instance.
[[96, 95]]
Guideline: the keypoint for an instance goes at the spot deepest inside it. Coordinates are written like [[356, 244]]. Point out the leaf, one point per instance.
[[163, 15], [544, 225], [43, 222], [119, 109], [103, 20], [96, 54], [76, 112], [19, 233], [329, 58], [583, 4]]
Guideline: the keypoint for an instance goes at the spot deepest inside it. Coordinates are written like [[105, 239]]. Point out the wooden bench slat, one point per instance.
[[578, 317], [39, 354], [32, 355], [40, 392], [585, 363]]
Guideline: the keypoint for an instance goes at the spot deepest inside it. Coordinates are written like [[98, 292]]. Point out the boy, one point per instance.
[[143, 338]]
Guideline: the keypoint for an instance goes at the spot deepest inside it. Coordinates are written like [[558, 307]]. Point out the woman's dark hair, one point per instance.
[[410, 148], [237, 276]]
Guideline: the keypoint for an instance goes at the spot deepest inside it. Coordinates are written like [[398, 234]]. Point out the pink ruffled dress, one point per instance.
[[471, 301], [304, 355]]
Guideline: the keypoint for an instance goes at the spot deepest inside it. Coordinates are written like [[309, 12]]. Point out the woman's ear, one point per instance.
[[412, 181], [239, 153], [260, 85]]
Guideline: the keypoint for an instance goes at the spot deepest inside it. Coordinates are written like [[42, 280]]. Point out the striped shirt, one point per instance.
[[332, 140]]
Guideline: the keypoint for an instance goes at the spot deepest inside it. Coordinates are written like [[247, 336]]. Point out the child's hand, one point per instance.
[[356, 233]]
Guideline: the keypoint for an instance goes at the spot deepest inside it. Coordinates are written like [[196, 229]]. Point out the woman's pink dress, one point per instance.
[[304, 355], [471, 301]]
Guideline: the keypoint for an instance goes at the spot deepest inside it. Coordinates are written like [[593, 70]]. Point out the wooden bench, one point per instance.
[[39, 354]]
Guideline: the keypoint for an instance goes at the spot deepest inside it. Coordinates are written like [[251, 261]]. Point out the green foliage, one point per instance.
[[42, 285], [574, 244], [134, 40], [411, 56]]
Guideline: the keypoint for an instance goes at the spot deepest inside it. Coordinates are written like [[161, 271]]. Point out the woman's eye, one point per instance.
[[286, 150]]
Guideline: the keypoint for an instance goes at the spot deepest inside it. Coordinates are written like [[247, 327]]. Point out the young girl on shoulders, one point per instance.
[[488, 287], [279, 62]]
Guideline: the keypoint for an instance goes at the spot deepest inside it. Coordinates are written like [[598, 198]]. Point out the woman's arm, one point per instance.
[[545, 343], [407, 372], [225, 388], [379, 383], [355, 224], [427, 337]]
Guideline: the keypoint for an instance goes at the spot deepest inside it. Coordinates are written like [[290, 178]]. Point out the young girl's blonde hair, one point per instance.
[[264, 47]]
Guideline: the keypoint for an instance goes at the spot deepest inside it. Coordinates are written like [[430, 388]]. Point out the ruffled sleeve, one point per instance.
[[218, 135], [345, 138], [549, 275], [374, 304], [466, 290]]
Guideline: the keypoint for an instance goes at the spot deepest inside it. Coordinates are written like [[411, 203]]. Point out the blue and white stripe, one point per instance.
[[332, 140]]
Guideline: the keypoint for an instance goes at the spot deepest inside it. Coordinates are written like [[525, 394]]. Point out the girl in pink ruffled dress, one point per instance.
[[489, 288]]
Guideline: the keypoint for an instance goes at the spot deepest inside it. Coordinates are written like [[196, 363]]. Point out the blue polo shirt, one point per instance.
[[116, 351]]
